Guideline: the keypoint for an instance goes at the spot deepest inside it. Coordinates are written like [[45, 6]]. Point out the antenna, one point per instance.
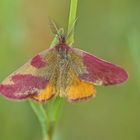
[[54, 27]]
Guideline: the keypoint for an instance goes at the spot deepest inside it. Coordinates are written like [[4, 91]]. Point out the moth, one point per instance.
[[61, 71]]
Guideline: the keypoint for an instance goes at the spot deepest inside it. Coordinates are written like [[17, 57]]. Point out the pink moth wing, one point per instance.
[[28, 80], [100, 72]]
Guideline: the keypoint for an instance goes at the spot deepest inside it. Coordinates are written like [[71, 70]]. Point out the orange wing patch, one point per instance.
[[46, 94], [80, 90]]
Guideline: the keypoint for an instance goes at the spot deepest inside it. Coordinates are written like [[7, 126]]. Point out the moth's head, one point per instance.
[[62, 47], [62, 39]]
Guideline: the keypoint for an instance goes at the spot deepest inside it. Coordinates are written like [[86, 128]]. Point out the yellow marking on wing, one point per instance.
[[46, 94], [80, 90]]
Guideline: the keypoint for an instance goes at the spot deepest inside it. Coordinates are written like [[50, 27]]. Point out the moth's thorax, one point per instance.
[[62, 51]]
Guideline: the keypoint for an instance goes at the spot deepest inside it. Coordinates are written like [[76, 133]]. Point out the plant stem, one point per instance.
[[48, 118], [42, 117], [72, 19]]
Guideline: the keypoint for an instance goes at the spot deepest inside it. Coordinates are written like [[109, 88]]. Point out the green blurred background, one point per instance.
[[109, 29]]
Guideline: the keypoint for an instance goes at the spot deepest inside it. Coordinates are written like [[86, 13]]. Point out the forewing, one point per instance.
[[100, 72], [31, 79]]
